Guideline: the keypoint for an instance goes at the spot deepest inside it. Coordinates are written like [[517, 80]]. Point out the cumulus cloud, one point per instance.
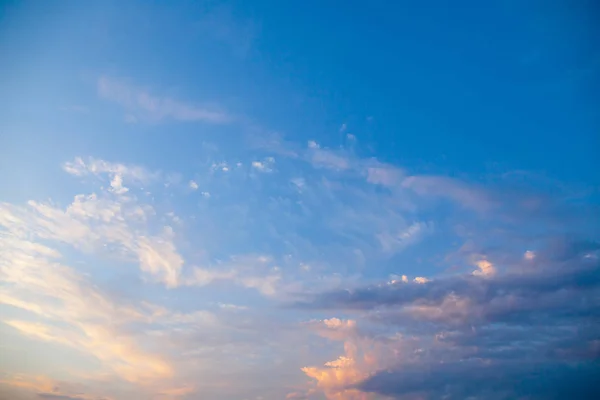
[[529, 255]]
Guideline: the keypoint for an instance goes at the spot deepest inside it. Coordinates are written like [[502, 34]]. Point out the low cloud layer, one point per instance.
[[530, 331]]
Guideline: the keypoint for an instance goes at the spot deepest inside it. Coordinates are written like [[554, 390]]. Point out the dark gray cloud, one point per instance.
[[493, 381], [531, 331], [575, 266]]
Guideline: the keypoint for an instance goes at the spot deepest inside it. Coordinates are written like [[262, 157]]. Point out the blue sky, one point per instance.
[[320, 200]]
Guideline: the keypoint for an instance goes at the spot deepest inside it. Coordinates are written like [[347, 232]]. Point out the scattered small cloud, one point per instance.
[[266, 165], [232, 307], [529, 255], [420, 279]]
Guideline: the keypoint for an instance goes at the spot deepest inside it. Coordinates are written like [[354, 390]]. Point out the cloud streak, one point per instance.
[[141, 104]]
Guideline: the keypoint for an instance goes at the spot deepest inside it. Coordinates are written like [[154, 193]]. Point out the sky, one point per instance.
[[324, 200]]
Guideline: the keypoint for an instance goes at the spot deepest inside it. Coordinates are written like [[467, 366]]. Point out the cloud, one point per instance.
[[486, 268], [266, 285], [505, 379], [93, 224], [420, 279], [264, 166], [43, 387], [398, 241], [453, 189], [529, 255], [118, 172], [384, 175], [96, 223], [141, 104], [497, 290], [129, 340], [362, 356], [483, 336], [323, 158], [232, 307], [193, 185], [202, 277], [488, 302], [78, 315], [241, 271]]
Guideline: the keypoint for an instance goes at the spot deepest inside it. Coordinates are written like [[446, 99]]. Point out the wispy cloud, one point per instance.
[[439, 186], [327, 158], [323, 235], [140, 104], [75, 313]]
